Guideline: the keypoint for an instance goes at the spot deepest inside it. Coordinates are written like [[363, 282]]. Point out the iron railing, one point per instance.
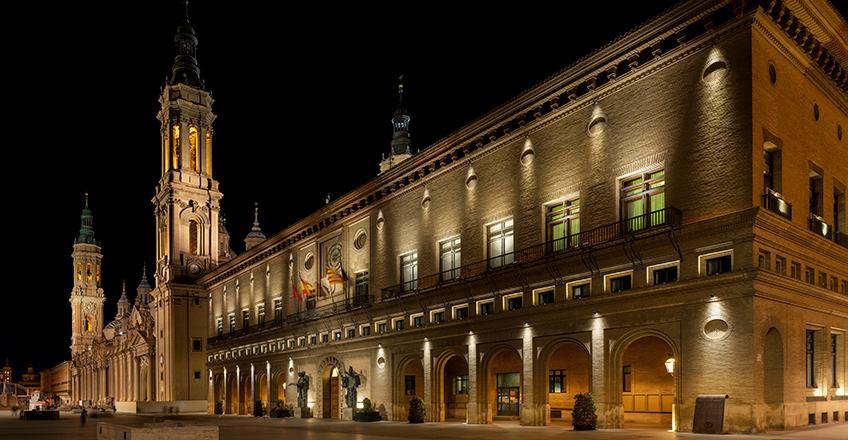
[[817, 224], [647, 223], [774, 202]]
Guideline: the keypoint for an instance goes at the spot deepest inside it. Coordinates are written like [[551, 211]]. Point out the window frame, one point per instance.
[[412, 320], [645, 194], [569, 287], [537, 293], [506, 234], [459, 307], [455, 251], [485, 301], [408, 285], [649, 272], [505, 301], [570, 212], [615, 275], [435, 312], [702, 261], [558, 376]]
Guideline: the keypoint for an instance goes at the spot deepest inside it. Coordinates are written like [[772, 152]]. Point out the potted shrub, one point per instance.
[[416, 410], [583, 415], [368, 413], [219, 407]]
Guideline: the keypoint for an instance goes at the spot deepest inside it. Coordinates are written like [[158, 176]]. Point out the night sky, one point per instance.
[[303, 95]]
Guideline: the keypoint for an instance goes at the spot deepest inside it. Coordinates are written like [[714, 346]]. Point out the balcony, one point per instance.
[[637, 227], [819, 226], [774, 202]]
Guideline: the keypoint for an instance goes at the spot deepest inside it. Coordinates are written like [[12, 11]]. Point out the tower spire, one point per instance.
[[401, 141], [185, 69], [86, 232], [123, 302], [255, 236]]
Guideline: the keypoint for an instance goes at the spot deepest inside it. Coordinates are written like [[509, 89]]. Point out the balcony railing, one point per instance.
[[819, 226], [773, 201], [650, 223]]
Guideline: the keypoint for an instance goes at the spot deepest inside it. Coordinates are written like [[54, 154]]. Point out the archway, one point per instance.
[[246, 395], [502, 385], [451, 387], [231, 405], [567, 372], [647, 389], [262, 390], [773, 379], [330, 392], [409, 382]]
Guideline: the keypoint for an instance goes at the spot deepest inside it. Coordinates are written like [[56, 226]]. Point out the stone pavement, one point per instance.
[[246, 428]]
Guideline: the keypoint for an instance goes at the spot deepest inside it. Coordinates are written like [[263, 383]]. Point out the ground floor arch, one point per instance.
[[231, 403], [451, 387], [646, 388], [566, 371], [502, 379], [330, 392], [246, 395], [773, 379], [408, 383]]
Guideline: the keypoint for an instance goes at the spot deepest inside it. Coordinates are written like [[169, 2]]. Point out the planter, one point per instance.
[[584, 427], [370, 416]]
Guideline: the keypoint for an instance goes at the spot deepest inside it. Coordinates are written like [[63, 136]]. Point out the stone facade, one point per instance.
[[697, 274]]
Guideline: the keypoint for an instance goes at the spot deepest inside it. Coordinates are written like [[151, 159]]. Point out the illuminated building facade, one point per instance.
[[661, 220]]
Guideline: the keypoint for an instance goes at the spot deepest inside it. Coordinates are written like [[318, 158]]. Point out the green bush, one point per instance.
[[583, 415], [219, 407], [366, 405], [416, 410]]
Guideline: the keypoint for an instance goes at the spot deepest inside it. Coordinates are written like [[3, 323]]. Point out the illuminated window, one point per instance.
[[192, 149], [450, 258], [79, 271], [208, 152], [194, 236], [643, 200], [460, 385], [501, 249], [562, 225], [278, 311], [556, 381], [232, 321], [219, 326], [88, 324], [175, 147], [409, 271], [260, 314], [337, 335], [626, 379], [89, 273], [245, 319], [97, 277]]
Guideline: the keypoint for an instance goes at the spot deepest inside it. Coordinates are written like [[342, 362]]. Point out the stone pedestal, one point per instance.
[[303, 413], [347, 413]]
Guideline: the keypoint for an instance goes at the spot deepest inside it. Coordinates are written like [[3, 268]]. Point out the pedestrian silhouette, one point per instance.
[[83, 413]]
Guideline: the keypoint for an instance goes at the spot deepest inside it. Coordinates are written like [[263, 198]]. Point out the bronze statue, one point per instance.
[[302, 388], [350, 382]]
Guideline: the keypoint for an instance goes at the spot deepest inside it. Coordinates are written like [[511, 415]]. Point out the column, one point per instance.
[[253, 394], [473, 409], [608, 415], [428, 383], [268, 384], [224, 392], [239, 401], [529, 413]]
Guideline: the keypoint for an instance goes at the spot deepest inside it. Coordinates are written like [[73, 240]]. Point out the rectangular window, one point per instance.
[[562, 222], [450, 259], [301, 342], [365, 330], [278, 311], [409, 385], [545, 296], [360, 290], [643, 200], [485, 308], [417, 320], [626, 379], [325, 338], [811, 359], [313, 339], [844, 288], [382, 328], [663, 273], [618, 282], [810, 275], [260, 314], [196, 344], [764, 260], [351, 333], [815, 193], [719, 265], [513, 302], [556, 381], [245, 318], [409, 271], [796, 270], [582, 290], [196, 375], [460, 312], [337, 335], [833, 284], [291, 343], [398, 324], [460, 385], [780, 265], [437, 316], [823, 280], [771, 170], [834, 383], [839, 216], [232, 321], [500, 243], [219, 326]]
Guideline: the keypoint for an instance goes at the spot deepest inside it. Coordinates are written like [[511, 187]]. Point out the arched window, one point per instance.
[[98, 274], [194, 236], [79, 271], [192, 149], [89, 272], [88, 324], [164, 242], [175, 146]]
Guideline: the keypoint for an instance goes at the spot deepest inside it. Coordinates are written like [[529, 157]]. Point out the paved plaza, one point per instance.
[[244, 428]]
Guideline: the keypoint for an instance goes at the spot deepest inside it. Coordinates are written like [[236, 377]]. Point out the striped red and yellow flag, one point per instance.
[[334, 277]]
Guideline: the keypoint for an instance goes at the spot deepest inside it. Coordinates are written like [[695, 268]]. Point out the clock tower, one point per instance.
[[186, 207], [86, 295]]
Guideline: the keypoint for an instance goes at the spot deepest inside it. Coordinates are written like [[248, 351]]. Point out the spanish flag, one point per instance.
[[334, 277], [306, 289], [295, 294]]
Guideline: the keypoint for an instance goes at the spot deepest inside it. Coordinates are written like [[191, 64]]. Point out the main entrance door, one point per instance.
[[509, 393]]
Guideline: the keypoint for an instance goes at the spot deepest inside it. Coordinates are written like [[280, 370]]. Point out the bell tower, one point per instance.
[[187, 207], [86, 295]]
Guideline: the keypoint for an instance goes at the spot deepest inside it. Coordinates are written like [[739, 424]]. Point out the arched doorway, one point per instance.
[[262, 390], [773, 379], [567, 372], [647, 388], [231, 405], [246, 395], [330, 392], [409, 382], [217, 390], [451, 387], [503, 384]]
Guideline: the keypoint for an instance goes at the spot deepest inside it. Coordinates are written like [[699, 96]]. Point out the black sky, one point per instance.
[[303, 94]]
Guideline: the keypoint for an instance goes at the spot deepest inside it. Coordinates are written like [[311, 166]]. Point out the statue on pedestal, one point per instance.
[[350, 382], [302, 388]]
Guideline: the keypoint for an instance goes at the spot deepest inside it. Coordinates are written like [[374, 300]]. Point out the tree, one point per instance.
[[416, 410], [583, 415]]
